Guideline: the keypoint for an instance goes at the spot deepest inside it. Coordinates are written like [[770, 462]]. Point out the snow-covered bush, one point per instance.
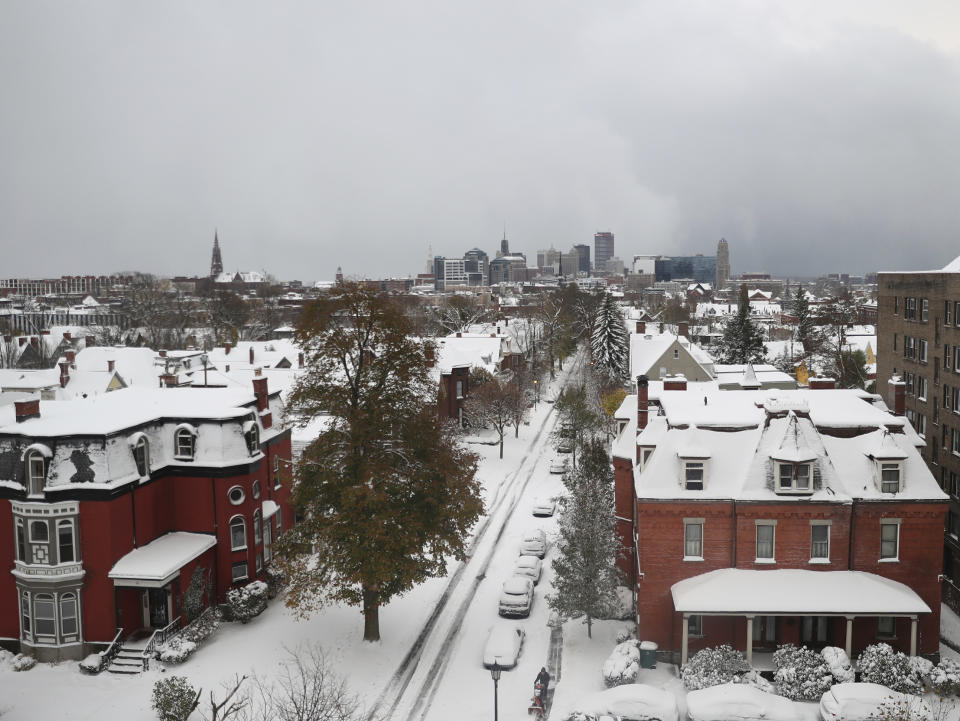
[[173, 698], [179, 648], [879, 663], [248, 602], [275, 581], [921, 668], [23, 663], [91, 664], [176, 650], [623, 664], [839, 664], [945, 678], [753, 678], [624, 634], [802, 674], [714, 666]]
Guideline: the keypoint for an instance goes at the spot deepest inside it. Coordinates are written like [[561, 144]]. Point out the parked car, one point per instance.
[[534, 543], [516, 598], [565, 446], [529, 566], [739, 702], [559, 465], [544, 507], [863, 701], [503, 645], [631, 702]]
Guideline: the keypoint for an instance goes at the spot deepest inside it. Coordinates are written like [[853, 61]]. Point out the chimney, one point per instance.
[[683, 329], [67, 335], [641, 326], [300, 359], [263, 401], [45, 332], [35, 342], [643, 401], [168, 380], [493, 335], [258, 371], [162, 352], [251, 355], [459, 334], [675, 383], [22, 340], [227, 368], [64, 372], [25, 410], [111, 365], [90, 341], [71, 356], [226, 349], [818, 383], [661, 328], [896, 395]]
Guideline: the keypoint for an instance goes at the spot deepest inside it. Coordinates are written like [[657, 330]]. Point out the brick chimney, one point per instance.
[[896, 395], [258, 371], [67, 335], [90, 341], [45, 332], [818, 383], [226, 349], [459, 334], [168, 380], [22, 340], [643, 401], [641, 326], [71, 356], [111, 365], [675, 383], [64, 372], [683, 329], [162, 352], [25, 410], [300, 359], [251, 355], [263, 401]]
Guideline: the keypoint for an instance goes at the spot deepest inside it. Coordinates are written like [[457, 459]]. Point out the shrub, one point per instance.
[[248, 602], [879, 663], [91, 664], [623, 664], [179, 648], [176, 650], [23, 663], [714, 666], [173, 698], [802, 674], [624, 634], [839, 664], [945, 678], [275, 581]]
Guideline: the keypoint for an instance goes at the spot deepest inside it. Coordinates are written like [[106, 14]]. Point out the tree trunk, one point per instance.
[[371, 614], [589, 626], [501, 444]]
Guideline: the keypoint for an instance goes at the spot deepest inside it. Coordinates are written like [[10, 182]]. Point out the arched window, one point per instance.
[[65, 542], [256, 489], [253, 437], [44, 615], [68, 614], [141, 456], [25, 615], [39, 532], [184, 441], [257, 528], [36, 472], [238, 533], [21, 541]]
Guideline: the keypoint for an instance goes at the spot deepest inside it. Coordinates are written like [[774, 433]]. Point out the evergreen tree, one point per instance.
[[386, 493], [742, 341], [610, 343], [586, 577], [806, 333]]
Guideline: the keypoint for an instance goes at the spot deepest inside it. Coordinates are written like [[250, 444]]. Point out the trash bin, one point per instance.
[[648, 654]]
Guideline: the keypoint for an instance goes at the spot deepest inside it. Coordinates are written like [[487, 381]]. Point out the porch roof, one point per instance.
[[736, 591], [160, 561]]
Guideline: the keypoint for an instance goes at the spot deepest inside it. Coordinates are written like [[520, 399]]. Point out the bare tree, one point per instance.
[[232, 705], [493, 404]]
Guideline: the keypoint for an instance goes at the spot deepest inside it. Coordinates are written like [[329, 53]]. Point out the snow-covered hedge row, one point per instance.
[[879, 663], [945, 678], [714, 666], [179, 648], [623, 664], [802, 674], [244, 604]]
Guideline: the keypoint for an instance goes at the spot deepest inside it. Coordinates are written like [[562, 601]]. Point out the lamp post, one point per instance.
[[495, 675], [203, 359], [536, 389]]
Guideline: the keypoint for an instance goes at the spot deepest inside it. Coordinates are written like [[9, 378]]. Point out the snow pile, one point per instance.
[[737, 701], [15, 662], [623, 665], [177, 650], [880, 664], [945, 678], [632, 701], [244, 604], [714, 666], [802, 674], [753, 678], [91, 664], [839, 664]]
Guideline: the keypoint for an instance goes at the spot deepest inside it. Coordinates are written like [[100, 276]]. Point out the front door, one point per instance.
[[765, 632], [157, 598], [815, 631]]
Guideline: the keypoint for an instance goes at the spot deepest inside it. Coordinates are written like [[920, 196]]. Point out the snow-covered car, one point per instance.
[[534, 543], [631, 702], [529, 566], [559, 465], [503, 645], [739, 702], [863, 701], [544, 507], [565, 447], [516, 598]]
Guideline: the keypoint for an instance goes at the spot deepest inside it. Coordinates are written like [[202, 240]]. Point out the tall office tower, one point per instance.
[[504, 246], [602, 250], [477, 265], [216, 262], [723, 263], [584, 252]]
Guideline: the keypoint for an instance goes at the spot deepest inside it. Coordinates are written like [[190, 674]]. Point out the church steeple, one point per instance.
[[216, 262]]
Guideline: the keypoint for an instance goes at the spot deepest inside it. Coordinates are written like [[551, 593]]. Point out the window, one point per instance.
[[921, 388], [947, 356], [676, 354], [894, 341], [946, 397], [259, 562], [65, 541], [956, 358], [819, 541], [886, 627], [896, 304], [955, 441], [946, 312], [239, 571], [794, 477], [238, 533], [909, 382], [25, 611], [694, 625], [68, 614], [44, 615], [459, 389], [693, 475], [21, 542], [956, 312], [253, 438], [954, 487], [257, 528], [956, 399], [236, 495], [256, 489], [765, 538], [909, 346], [279, 520], [921, 350], [924, 309], [36, 472], [693, 539], [184, 444], [910, 308], [921, 425], [39, 532], [276, 471], [890, 477], [889, 539], [141, 456], [267, 542]]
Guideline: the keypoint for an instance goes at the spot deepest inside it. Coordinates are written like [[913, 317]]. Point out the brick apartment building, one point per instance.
[[918, 340]]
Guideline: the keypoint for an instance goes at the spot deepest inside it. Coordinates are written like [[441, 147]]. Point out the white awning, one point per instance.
[[788, 592], [160, 561], [270, 509]]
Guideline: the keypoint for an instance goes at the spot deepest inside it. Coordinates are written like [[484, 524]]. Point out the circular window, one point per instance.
[[236, 495], [256, 489]]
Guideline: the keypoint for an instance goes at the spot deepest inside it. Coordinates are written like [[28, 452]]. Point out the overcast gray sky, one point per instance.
[[359, 133]]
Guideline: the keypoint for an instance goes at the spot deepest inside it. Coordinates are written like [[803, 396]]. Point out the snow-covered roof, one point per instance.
[[787, 591], [471, 350], [161, 559]]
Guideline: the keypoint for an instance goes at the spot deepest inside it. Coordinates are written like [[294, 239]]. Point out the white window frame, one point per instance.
[[37, 523], [36, 480], [141, 457], [820, 524], [688, 523], [772, 525], [238, 522], [184, 444], [924, 310], [257, 528], [67, 523], [794, 487], [237, 565], [921, 388], [889, 464], [26, 614], [692, 465], [64, 599], [886, 523], [253, 439], [921, 425], [922, 350], [20, 540], [243, 495], [694, 626], [52, 618]]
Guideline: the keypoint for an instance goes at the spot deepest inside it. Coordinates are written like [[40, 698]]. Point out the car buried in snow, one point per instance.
[[516, 598], [503, 645], [534, 543], [867, 701], [559, 465], [529, 566], [544, 507], [739, 702]]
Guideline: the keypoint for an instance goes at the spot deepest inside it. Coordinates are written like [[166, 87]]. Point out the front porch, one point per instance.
[[820, 605]]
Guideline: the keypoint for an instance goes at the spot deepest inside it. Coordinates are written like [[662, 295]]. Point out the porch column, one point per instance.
[[848, 647], [750, 640], [685, 639], [913, 635]]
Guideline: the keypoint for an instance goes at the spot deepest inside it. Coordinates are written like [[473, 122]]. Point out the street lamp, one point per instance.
[[495, 675], [536, 388]]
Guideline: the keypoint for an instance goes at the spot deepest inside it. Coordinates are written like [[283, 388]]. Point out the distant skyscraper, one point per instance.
[[723, 263], [584, 253], [602, 249], [216, 262], [504, 246]]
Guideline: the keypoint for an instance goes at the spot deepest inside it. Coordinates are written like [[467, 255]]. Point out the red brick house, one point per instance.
[[108, 504], [764, 517]]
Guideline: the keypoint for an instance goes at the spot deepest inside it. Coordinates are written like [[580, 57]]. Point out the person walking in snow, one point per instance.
[[543, 681]]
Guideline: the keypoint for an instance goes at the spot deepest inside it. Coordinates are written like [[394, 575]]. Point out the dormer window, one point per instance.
[[794, 477], [252, 435], [184, 444], [891, 476], [36, 473], [693, 474], [141, 456]]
